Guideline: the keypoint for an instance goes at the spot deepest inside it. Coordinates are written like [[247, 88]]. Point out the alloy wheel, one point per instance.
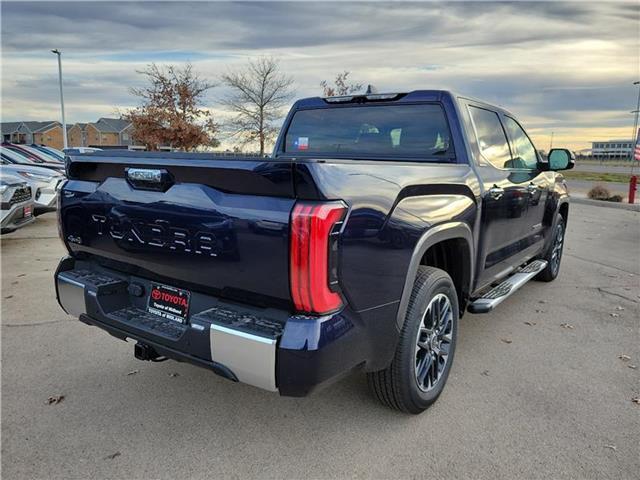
[[433, 342], [556, 252]]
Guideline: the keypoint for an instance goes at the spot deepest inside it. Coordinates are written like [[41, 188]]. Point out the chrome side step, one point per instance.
[[494, 297]]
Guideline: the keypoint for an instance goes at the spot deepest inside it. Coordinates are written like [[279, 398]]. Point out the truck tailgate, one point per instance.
[[209, 224]]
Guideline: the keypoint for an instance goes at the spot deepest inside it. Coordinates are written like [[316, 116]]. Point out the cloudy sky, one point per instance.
[[566, 68]]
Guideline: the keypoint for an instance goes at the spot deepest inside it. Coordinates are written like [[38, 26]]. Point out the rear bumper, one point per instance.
[[266, 348], [161, 349]]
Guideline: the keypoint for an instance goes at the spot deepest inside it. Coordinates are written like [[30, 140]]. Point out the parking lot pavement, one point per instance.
[[537, 389]]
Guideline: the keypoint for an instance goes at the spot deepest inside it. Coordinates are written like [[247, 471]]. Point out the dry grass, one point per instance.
[[597, 176]]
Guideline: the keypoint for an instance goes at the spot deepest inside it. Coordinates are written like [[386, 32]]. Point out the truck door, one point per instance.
[[524, 158], [505, 202]]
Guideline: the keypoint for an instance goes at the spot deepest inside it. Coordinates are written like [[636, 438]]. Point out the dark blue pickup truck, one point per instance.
[[376, 223]]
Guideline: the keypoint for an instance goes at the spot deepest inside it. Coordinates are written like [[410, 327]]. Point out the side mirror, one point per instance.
[[558, 159]]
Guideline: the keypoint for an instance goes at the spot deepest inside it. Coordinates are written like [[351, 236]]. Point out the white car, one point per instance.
[[48, 157], [15, 157], [44, 183], [77, 150], [16, 208]]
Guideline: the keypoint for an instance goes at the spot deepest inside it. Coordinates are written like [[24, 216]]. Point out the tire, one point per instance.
[[554, 253], [399, 386]]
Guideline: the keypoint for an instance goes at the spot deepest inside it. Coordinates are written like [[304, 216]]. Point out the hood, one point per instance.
[[11, 179], [33, 169]]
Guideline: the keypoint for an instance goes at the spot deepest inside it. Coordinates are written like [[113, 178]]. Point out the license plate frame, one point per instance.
[[169, 302]]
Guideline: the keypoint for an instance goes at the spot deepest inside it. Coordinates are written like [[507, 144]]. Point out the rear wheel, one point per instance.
[[554, 254], [422, 361]]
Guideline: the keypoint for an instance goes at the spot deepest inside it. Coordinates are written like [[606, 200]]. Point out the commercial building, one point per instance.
[[612, 150]]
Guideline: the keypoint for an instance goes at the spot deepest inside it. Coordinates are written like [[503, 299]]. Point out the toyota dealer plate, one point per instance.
[[169, 302]]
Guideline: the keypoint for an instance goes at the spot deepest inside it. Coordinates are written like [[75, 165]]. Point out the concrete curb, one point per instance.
[[602, 203]]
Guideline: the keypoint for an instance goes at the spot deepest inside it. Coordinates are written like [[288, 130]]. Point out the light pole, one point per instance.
[[64, 123], [634, 136], [633, 181]]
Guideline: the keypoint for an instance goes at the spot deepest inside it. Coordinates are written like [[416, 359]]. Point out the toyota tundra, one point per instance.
[[377, 222]]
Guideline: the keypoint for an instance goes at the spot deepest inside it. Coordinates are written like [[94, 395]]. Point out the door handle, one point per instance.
[[496, 192]]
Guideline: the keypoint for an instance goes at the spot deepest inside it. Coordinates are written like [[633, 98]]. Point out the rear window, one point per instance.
[[382, 130]]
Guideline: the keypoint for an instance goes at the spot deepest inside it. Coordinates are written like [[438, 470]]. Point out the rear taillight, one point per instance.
[[314, 246]]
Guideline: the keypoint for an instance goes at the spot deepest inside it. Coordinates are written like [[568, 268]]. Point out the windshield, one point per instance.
[[372, 130]]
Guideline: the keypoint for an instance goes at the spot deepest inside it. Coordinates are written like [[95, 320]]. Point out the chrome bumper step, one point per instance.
[[494, 297], [245, 343]]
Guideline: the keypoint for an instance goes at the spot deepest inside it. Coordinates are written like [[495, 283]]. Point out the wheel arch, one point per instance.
[[440, 235]]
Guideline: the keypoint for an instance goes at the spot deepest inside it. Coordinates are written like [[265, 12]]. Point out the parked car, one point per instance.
[[57, 154], [16, 209], [35, 153], [44, 183], [16, 157], [21, 151], [377, 222], [77, 150]]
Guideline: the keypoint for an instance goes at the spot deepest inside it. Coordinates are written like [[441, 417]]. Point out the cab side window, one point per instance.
[[492, 140], [524, 153]]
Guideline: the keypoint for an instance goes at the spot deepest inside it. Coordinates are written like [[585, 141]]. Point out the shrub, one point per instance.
[[599, 193], [615, 198]]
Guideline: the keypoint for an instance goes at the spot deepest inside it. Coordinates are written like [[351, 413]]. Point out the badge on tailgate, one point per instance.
[[169, 302], [157, 179]]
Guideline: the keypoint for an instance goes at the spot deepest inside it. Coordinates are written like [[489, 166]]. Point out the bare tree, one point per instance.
[[171, 110], [341, 86], [259, 91]]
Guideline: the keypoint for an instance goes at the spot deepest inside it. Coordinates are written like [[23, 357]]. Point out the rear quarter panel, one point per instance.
[[391, 205]]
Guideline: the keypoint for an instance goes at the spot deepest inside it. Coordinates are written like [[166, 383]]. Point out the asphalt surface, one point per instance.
[[537, 389]]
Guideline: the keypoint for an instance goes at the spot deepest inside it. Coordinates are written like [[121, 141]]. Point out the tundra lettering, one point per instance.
[[157, 235]]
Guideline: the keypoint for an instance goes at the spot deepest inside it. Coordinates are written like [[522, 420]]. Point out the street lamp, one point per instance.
[[634, 137], [633, 181], [64, 123]]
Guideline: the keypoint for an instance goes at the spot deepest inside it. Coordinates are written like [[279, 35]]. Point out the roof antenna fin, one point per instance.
[[371, 90]]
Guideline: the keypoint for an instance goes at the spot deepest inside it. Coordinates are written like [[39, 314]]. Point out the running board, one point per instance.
[[501, 292]]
